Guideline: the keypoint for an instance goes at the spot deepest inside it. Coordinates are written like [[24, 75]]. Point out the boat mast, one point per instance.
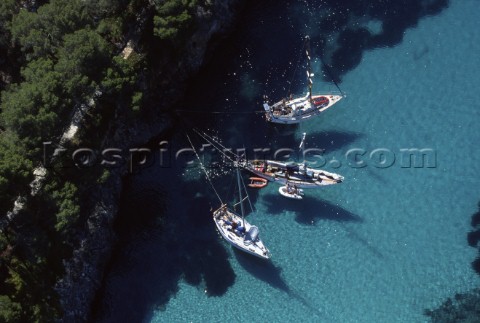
[[302, 149], [240, 195], [309, 67]]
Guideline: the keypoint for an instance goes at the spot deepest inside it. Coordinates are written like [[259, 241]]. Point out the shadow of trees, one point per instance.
[[341, 31], [263, 270], [354, 35], [157, 248], [271, 274], [309, 210]]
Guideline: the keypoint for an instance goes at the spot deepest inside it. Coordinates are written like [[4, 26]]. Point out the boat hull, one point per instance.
[[279, 173], [300, 109], [255, 248]]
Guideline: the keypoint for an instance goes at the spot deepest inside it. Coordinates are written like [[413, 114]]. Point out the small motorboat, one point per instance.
[[258, 182], [291, 192]]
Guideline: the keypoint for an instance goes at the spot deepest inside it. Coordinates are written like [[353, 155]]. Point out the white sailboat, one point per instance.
[[298, 174], [232, 226], [294, 110], [237, 231]]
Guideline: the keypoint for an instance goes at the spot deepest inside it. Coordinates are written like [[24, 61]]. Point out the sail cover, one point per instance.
[[252, 234]]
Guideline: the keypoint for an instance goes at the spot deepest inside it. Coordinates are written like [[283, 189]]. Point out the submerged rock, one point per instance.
[[462, 308]]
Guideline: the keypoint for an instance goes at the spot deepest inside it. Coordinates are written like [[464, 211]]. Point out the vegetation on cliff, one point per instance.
[[57, 57]]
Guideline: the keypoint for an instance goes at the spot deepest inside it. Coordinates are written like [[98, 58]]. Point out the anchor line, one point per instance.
[[327, 68], [219, 112], [296, 67], [329, 72]]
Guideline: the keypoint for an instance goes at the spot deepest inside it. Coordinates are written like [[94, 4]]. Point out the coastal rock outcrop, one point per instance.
[[93, 244]]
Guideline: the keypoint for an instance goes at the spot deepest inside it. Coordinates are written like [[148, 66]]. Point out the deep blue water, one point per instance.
[[380, 247]]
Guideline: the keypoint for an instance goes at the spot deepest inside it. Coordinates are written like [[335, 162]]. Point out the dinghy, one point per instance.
[[291, 192], [257, 182]]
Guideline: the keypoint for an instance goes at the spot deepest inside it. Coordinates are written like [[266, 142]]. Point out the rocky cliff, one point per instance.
[[85, 269]]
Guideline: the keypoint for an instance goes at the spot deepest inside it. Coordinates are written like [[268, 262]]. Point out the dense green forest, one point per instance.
[[55, 57]]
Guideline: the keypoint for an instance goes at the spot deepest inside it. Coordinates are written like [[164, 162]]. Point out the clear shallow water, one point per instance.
[[383, 246]]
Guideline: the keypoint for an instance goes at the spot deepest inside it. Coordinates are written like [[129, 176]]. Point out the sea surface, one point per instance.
[[384, 245]]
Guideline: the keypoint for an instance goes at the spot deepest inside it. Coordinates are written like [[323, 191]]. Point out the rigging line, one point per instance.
[[213, 143], [230, 188], [245, 198], [329, 72], [223, 147], [246, 193], [204, 170], [203, 134], [327, 68], [296, 67]]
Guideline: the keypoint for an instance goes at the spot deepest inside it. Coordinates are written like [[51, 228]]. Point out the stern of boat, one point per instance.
[[268, 111], [266, 107]]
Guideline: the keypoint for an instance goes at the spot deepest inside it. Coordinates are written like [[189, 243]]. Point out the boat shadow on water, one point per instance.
[[309, 210], [327, 141], [148, 265], [271, 274], [332, 141]]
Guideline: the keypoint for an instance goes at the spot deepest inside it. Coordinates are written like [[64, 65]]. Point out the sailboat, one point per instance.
[[232, 226], [294, 110], [237, 231], [298, 174]]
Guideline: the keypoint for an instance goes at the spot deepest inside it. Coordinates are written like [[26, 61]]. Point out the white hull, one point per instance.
[[256, 247], [300, 176], [296, 196], [300, 109]]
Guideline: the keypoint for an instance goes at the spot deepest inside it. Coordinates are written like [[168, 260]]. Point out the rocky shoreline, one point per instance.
[[94, 243]]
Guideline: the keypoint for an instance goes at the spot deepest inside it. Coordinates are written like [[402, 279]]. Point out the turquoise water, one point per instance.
[[380, 247]]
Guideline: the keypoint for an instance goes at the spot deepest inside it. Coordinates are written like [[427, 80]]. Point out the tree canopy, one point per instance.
[[64, 54]]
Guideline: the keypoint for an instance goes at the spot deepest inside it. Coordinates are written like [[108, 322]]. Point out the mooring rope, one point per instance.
[[220, 112], [204, 170], [211, 141]]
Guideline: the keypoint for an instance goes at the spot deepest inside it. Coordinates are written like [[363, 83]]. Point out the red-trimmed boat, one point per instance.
[[257, 182], [295, 110]]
